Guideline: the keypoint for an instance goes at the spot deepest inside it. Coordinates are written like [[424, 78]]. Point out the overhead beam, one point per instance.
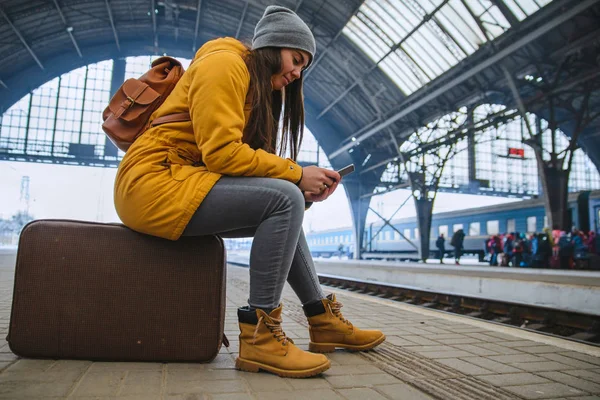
[[68, 28], [573, 47], [16, 31], [239, 28], [3, 84], [412, 105], [153, 12], [323, 52], [395, 47], [508, 14], [112, 24], [198, 8], [477, 21]]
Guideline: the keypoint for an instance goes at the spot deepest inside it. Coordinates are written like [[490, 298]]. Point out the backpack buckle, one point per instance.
[[131, 102]]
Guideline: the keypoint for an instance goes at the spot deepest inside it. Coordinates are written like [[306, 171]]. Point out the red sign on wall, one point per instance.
[[516, 152]]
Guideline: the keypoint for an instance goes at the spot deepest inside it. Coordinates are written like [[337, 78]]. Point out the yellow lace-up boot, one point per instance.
[[329, 329], [264, 345]]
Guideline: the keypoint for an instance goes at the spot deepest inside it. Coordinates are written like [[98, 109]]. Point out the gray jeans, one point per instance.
[[271, 211]]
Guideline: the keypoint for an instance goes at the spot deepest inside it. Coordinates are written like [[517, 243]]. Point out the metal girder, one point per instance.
[[508, 14], [395, 47], [412, 105], [403, 185], [477, 20], [69, 29], [3, 84], [153, 12], [387, 222], [517, 98], [577, 45], [194, 48], [328, 46], [239, 28], [16, 31], [112, 24], [450, 137]]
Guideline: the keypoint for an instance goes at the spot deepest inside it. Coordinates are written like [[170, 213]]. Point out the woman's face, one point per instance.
[[292, 63]]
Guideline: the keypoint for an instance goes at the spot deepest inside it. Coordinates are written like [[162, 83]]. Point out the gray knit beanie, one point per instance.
[[281, 27]]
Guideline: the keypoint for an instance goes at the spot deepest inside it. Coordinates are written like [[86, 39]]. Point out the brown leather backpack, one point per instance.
[[128, 113]]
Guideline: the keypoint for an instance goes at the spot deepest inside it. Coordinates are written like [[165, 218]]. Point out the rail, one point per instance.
[[572, 326]]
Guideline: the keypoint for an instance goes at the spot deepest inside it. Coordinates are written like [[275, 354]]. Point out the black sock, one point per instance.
[[247, 315], [313, 308]]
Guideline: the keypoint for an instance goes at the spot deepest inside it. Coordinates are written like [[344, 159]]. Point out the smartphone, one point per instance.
[[346, 170]]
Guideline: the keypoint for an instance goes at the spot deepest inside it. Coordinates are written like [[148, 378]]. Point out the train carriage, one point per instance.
[[527, 216]]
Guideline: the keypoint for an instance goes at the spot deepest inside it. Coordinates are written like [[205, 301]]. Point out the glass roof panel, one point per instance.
[[430, 66], [424, 47], [438, 42], [524, 8]]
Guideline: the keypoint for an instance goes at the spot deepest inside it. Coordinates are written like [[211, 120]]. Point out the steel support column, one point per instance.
[[424, 207], [555, 184], [473, 184], [359, 207]]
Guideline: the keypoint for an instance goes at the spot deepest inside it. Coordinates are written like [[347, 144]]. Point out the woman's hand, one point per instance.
[[318, 183]]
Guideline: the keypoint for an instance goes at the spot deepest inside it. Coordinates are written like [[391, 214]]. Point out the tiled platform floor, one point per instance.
[[428, 355]]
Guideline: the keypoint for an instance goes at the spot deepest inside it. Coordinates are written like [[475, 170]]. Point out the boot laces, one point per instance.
[[275, 328], [335, 308]]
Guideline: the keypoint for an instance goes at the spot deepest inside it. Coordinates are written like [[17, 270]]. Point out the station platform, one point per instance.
[[427, 355], [564, 290]]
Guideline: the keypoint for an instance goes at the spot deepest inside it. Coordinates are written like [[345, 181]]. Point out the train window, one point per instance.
[[531, 224], [545, 221], [443, 229], [493, 227], [416, 233], [511, 225], [387, 235], [474, 229], [407, 233], [396, 236], [456, 227]]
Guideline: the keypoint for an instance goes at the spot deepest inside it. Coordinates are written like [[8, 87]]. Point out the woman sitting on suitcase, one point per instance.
[[221, 174]]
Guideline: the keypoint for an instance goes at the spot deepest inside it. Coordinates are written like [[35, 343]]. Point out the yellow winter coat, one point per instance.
[[170, 169]]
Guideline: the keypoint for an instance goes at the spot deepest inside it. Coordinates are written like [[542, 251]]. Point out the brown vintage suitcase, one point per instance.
[[95, 291]]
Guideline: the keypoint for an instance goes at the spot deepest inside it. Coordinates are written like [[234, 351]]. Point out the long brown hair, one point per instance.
[[267, 104]]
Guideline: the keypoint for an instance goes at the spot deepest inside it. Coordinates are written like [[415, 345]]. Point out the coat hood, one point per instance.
[[227, 43]]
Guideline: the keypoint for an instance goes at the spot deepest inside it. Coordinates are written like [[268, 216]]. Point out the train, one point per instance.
[[383, 242]]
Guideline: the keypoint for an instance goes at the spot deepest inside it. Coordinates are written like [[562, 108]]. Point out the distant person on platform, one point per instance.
[[591, 242], [457, 242], [440, 244]]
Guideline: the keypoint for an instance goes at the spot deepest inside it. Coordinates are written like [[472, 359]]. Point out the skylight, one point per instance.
[[416, 41]]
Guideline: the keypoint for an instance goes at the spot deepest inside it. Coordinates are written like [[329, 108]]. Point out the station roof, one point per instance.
[[383, 68]]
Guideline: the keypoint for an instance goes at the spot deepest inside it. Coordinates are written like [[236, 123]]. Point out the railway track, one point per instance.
[[573, 326]]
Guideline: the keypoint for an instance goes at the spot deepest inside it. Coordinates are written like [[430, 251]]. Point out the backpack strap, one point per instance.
[[180, 117]]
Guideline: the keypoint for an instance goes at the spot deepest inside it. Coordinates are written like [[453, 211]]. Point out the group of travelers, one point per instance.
[[549, 249]]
